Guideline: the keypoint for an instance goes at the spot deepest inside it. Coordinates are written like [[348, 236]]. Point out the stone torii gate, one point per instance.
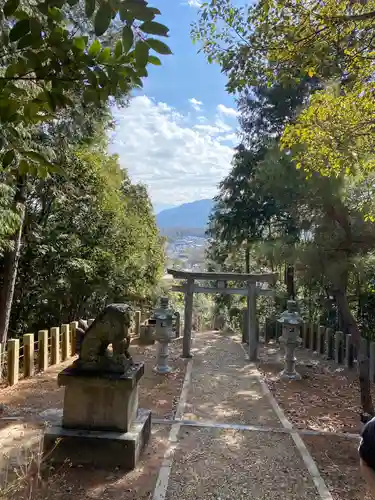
[[250, 290]]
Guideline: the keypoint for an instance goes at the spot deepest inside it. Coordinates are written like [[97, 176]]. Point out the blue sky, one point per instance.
[[177, 136]]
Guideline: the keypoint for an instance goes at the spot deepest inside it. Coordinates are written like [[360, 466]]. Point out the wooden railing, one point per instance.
[[333, 345], [23, 357], [27, 355]]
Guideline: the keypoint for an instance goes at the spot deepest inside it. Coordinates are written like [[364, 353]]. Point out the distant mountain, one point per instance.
[[159, 207], [189, 215]]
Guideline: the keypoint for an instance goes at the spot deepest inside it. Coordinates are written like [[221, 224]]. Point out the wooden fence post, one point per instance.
[[43, 350], [73, 336], [315, 337], [320, 339], [364, 347], [28, 355], [55, 345], [65, 342], [349, 351], [13, 355], [137, 323], [328, 343], [338, 347], [305, 334], [311, 336]]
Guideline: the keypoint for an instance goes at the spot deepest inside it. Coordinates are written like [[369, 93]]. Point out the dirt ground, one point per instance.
[[78, 483], [327, 397], [28, 406], [338, 464]]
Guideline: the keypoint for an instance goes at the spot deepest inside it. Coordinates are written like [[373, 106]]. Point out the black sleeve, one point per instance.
[[367, 445]]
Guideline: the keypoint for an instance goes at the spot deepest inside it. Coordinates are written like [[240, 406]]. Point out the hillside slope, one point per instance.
[[188, 215]]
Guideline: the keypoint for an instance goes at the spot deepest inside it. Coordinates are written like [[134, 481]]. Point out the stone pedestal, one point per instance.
[[289, 372], [291, 325], [101, 425], [101, 449], [162, 357], [163, 317]]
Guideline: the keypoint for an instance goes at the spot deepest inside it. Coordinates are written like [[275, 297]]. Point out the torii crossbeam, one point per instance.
[[254, 285]]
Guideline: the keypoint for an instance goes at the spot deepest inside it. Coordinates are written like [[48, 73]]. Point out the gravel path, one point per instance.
[[227, 465], [224, 387]]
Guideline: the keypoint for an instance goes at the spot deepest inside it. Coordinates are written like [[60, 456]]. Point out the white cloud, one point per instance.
[[201, 119], [227, 111], [193, 3], [222, 126], [197, 105], [179, 159]]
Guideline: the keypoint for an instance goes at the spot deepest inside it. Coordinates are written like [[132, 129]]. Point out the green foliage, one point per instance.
[[246, 210], [335, 134], [274, 40], [55, 48], [9, 220], [90, 238]]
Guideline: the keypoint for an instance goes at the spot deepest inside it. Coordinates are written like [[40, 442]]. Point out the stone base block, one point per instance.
[[100, 402], [100, 449]]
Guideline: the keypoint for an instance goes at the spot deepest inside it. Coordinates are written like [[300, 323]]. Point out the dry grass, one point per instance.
[[27, 477]]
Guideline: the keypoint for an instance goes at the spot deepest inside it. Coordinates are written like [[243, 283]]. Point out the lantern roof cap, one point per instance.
[[291, 316], [163, 312]]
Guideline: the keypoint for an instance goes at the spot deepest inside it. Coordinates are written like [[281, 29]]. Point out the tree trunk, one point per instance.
[[11, 260], [362, 357]]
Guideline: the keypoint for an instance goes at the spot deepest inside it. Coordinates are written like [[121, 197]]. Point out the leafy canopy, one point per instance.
[[275, 40], [90, 238], [334, 135], [45, 57]]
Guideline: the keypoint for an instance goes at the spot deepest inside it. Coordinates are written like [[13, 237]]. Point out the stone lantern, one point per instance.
[[291, 322], [163, 317]]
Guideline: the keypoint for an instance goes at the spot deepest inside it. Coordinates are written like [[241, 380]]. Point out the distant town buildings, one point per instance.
[[187, 253]]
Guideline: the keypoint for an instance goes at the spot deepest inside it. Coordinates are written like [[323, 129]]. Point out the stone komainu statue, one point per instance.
[[110, 327]]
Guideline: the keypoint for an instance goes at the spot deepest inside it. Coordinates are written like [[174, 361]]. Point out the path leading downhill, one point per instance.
[[251, 456]]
